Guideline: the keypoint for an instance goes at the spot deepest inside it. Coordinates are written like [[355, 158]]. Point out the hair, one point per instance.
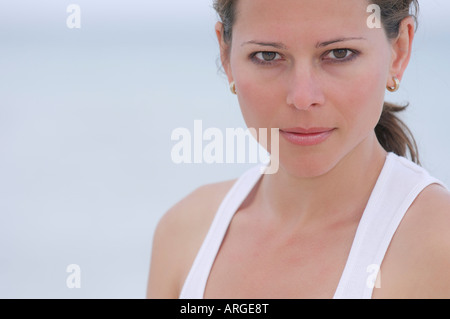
[[392, 133]]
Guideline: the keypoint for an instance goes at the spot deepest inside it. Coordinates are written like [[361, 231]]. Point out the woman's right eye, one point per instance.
[[265, 57]]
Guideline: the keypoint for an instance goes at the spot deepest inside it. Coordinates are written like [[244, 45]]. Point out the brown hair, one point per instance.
[[391, 131]]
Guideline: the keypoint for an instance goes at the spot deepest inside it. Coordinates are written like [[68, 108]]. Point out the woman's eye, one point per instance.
[[340, 54], [267, 56]]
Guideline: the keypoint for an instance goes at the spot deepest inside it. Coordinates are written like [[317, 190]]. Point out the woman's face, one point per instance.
[[309, 66]]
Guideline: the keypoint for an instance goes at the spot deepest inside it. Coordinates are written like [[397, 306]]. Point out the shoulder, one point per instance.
[[178, 237], [417, 262]]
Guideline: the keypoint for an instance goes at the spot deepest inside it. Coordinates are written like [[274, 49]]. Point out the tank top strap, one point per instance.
[[398, 185], [197, 278]]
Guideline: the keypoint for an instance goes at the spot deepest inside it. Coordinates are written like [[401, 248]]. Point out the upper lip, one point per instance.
[[313, 130]]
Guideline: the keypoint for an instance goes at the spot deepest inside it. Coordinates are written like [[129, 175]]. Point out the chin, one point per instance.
[[308, 165]]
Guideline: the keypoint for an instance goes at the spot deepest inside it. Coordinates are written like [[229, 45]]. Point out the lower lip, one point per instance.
[[307, 139]]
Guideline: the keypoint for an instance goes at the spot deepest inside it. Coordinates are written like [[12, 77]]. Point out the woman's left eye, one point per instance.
[[339, 55]]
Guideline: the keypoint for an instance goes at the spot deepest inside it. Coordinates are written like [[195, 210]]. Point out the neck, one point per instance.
[[342, 192]]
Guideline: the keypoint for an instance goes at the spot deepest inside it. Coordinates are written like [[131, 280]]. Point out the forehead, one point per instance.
[[301, 18]]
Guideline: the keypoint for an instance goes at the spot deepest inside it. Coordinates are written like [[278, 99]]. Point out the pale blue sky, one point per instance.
[[45, 12]]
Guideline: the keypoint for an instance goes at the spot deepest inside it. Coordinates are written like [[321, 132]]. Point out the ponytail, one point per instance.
[[394, 135]]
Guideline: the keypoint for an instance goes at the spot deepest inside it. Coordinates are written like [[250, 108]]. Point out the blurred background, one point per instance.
[[86, 117]]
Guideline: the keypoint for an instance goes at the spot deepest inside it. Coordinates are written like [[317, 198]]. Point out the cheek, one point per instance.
[[361, 100], [258, 100]]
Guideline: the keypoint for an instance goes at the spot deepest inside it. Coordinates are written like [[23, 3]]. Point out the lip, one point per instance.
[[307, 137]]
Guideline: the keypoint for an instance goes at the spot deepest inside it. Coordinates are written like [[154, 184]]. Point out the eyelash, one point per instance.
[[354, 55]]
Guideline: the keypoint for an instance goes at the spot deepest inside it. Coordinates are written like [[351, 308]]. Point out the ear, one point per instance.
[[224, 51], [401, 49]]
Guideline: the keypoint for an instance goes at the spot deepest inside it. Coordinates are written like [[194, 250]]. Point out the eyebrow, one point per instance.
[[276, 45], [324, 44]]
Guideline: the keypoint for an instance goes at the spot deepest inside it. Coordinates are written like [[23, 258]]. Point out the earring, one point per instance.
[[396, 87], [233, 88]]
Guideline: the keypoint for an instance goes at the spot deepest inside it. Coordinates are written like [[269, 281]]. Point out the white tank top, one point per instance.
[[398, 185]]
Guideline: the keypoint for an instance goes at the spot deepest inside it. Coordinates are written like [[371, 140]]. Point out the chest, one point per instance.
[[254, 263]]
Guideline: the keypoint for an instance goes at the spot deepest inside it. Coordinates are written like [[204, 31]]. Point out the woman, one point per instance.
[[346, 215]]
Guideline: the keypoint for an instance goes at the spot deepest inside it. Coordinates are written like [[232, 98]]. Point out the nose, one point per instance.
[[304, 89]]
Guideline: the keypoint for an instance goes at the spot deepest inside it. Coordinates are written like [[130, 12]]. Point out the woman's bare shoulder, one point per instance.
[[199, 204], [194, 213], [179, 235], [417, 262], [430, 218]]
